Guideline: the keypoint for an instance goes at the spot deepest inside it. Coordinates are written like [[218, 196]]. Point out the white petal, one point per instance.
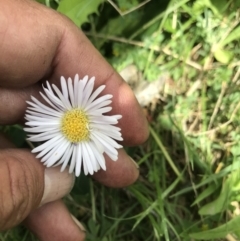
[[66, 155], [97, 143], [49, 150], [112, 156], [54, 99], [57, 154], [65, 102], [50, 113], [95, 94], [75, 89], [115, 137], [98, 156], [64, 87], [49, 88], [40, 129], [36, 118], [92, 157], [80, 94], [81, 87], [44, 136], [104, 119], [73, 159], [84, 81], [100, 105], [38, 105], [47, 144], [100, 111], [86, 160], [45, 124], [88, 91], [67, 158], [37, 114], [70, 90], [108, 140], [105, 127], [108, 147], [113, 134], [78, 161], [97, 101], [49, 102]]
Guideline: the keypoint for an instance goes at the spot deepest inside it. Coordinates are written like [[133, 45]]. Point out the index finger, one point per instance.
[[43, 44]]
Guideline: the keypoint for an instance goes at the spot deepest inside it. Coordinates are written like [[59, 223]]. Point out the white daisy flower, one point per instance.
[[74, 128]]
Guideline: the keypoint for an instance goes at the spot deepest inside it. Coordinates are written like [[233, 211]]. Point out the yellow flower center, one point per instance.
[[75, 125]]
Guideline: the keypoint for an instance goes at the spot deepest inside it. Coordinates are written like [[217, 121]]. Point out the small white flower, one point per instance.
[[74, 127]]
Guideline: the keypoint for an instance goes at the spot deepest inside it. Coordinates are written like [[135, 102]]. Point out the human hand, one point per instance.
[[36, 44]]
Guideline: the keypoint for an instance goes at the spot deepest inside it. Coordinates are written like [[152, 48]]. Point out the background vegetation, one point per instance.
[[189, 186]]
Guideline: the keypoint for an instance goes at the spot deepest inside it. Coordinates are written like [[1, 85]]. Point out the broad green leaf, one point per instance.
[[199, 6], [93, 227], [78, 10], [223, 56], [236, 4], [219, 232], [208, 191], [219, 5], [230, 186], [219, 204], [168, 25], [216, 206], [234, 35]]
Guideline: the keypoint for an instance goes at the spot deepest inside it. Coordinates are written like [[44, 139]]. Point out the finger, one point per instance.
[[73, 54], [47, 222], [13, 103], [24, 184], [29, 37], [53, 222], [21, 185], [121, 173]]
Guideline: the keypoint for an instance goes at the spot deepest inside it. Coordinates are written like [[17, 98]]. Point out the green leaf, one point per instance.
[[233, 36], [17, 135], [229, 188], [199, 6], [223, 56], [219, 204], [217, 6], [235, 150], [81, 186], [220, 5], [78, 10], [208, 191], [168, 25], [219, 232]]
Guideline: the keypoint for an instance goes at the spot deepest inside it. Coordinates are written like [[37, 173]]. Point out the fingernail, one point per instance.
[[78, 224], [57, 184], [136, 165]]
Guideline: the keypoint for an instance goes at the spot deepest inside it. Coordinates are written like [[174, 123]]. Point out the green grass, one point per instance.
[[189, 168]]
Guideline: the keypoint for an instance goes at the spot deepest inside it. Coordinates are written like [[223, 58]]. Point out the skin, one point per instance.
[[38, 44]]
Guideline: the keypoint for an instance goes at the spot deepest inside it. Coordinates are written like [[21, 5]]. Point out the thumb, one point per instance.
[[25, 184]]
